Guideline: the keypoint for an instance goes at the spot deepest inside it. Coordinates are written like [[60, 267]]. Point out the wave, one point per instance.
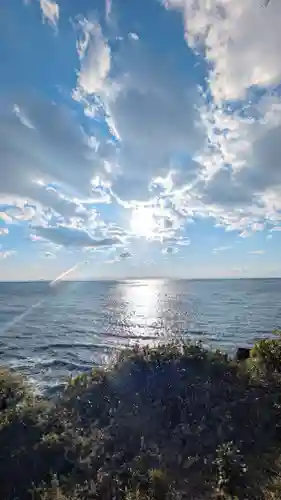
[[70, 345], [65, 365]]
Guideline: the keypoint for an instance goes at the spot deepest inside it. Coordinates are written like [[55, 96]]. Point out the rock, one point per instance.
[[242, 353], [3, 404]]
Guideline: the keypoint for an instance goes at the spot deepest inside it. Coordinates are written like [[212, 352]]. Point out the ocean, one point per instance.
[[50, 333]]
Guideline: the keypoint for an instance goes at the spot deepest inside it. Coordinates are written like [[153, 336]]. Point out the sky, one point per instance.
[[140, 139]]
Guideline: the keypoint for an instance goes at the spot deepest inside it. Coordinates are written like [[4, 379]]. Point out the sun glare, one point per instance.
[[143, 222]]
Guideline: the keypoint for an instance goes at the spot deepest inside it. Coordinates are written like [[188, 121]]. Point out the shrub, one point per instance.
[[268, 351], [166, 423], [13, 389], [230, 469]]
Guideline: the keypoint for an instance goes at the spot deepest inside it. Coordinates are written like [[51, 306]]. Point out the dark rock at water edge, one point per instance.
[[242, 353]]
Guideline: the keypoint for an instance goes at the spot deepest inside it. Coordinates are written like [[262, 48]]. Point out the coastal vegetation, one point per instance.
[[171, 422]]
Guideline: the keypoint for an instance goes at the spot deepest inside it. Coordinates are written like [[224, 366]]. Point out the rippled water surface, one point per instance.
[[52, 332]]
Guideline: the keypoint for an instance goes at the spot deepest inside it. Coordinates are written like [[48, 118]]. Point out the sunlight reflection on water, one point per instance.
[[81, 324], [141, 309]]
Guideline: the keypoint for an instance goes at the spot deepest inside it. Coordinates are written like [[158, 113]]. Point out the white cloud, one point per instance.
[[108, 7], [22, 116], [149, 134], [20, 213], [3, 231], [35, 238], [240, 183], [240, 40], [245, 234], [257, 252], [50, 12], [94, 54], [6, 254], [222, 249], [134, 36], [141, 89], [49, 152]]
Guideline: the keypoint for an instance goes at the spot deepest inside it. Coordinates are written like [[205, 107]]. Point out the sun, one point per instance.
[[143, 222]]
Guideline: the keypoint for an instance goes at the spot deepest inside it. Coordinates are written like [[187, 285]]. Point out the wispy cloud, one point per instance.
[[257, 252], [95, 57], [22, 116], [222, 249], [108, 6], [50, 12], [7, 253]]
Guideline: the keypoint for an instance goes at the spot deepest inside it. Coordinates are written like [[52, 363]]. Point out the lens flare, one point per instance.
[[21, 316]]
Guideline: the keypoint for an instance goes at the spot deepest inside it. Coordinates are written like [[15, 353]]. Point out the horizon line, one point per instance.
[[149, 278]]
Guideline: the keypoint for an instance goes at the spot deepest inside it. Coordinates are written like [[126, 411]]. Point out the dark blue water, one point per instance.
[[73, 326]]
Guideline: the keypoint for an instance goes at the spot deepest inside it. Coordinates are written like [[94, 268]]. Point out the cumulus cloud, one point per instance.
[[3, 231], [241, 181], [166, 115], [50, 12], [229, 32], [151, 139], [145, 102], [73, 237]]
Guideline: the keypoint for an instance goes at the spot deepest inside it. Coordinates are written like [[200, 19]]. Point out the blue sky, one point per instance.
[[140, 139]]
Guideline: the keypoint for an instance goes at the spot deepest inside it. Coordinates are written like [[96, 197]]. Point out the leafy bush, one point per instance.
[[268, 351], [172, 422], [12, 389]]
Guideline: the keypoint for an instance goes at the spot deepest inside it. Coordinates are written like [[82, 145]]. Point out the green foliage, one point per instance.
[[12, 389], [166, 423], [230, 468], [268, 351]]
